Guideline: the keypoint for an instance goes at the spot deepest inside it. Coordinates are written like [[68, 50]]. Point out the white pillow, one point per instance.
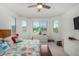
[[10, 42]]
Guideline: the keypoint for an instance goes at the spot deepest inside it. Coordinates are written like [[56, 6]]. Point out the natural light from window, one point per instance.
[[39, 27], [55, 26]]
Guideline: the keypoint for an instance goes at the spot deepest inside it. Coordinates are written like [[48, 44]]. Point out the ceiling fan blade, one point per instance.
[[39, 3], [32, 6], [46, 6]]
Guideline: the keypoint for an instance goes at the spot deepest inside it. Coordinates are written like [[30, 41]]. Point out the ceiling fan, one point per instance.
[[40, 6]]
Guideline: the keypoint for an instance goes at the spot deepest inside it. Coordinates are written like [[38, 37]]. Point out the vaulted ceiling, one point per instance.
[[23, 10]]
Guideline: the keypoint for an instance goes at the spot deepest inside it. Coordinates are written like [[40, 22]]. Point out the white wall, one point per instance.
[[67, 27], [5, 17], [50, 33], [29, 28]]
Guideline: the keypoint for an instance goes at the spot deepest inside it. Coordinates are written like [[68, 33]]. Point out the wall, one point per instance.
[[50, 33], [67, 28], [29, 25], [5, 17]]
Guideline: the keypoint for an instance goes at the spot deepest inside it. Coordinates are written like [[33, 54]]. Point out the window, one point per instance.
[[55, 26], [43, 26], [13, 25], [39, 27], [36, 27], [24, 25]]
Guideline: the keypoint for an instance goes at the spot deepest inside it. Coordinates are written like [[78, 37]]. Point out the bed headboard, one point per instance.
[[5, 33]]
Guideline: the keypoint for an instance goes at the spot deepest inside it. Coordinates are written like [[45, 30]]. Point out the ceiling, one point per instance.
[[56, 9]]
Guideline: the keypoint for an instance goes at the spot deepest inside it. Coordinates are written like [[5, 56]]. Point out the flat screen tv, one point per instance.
[[76, 23]]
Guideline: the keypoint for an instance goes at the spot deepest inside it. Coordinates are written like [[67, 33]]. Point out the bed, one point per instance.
[[25, 48]]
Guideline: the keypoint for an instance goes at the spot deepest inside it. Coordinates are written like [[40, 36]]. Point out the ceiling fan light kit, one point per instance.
[[39, 6]]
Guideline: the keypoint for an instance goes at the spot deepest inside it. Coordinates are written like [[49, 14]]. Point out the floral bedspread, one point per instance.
[[25, 48]]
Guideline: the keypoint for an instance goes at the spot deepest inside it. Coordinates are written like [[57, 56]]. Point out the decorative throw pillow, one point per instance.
[[3, 47], [14, 39]]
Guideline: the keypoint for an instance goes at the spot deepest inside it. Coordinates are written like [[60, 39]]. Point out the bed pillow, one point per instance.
[[9, 41], [3, 47]]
